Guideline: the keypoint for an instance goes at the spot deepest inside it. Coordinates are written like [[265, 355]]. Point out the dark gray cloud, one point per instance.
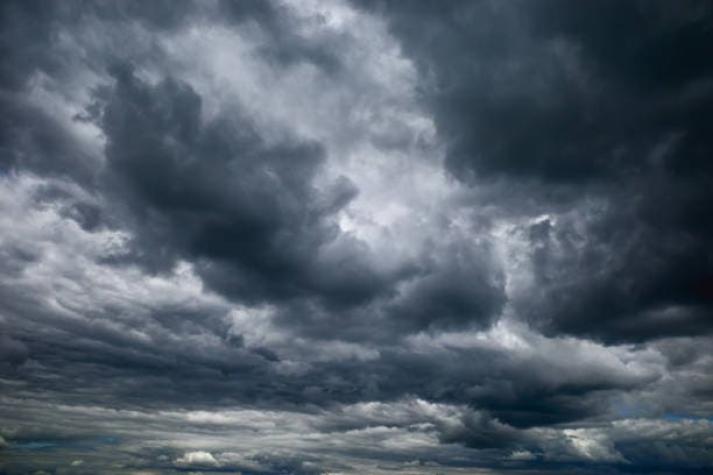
[[355, 237], [558, 92], [217, 191], [607, 103]]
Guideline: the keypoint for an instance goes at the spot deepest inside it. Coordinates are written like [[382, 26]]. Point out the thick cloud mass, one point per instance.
[[605, 110], [219, 192], [331, 237]]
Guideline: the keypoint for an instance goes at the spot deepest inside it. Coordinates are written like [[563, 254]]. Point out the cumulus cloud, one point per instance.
[[327, 236], [541, 98], [198, 458]]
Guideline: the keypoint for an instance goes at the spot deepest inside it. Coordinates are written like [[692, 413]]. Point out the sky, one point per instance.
[[376, 237]]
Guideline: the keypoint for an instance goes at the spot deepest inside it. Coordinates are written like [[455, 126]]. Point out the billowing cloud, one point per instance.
[[599, 115], [334, 237]]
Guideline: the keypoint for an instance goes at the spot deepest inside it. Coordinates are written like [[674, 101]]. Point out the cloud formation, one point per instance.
[[328, 237]]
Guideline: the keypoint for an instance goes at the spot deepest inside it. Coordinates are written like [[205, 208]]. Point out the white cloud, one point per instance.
[[199, 458]]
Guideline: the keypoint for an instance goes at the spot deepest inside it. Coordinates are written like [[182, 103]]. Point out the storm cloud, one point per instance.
[[286, 237]]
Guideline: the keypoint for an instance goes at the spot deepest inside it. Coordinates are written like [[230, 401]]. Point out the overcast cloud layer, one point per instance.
[[369, 237]]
